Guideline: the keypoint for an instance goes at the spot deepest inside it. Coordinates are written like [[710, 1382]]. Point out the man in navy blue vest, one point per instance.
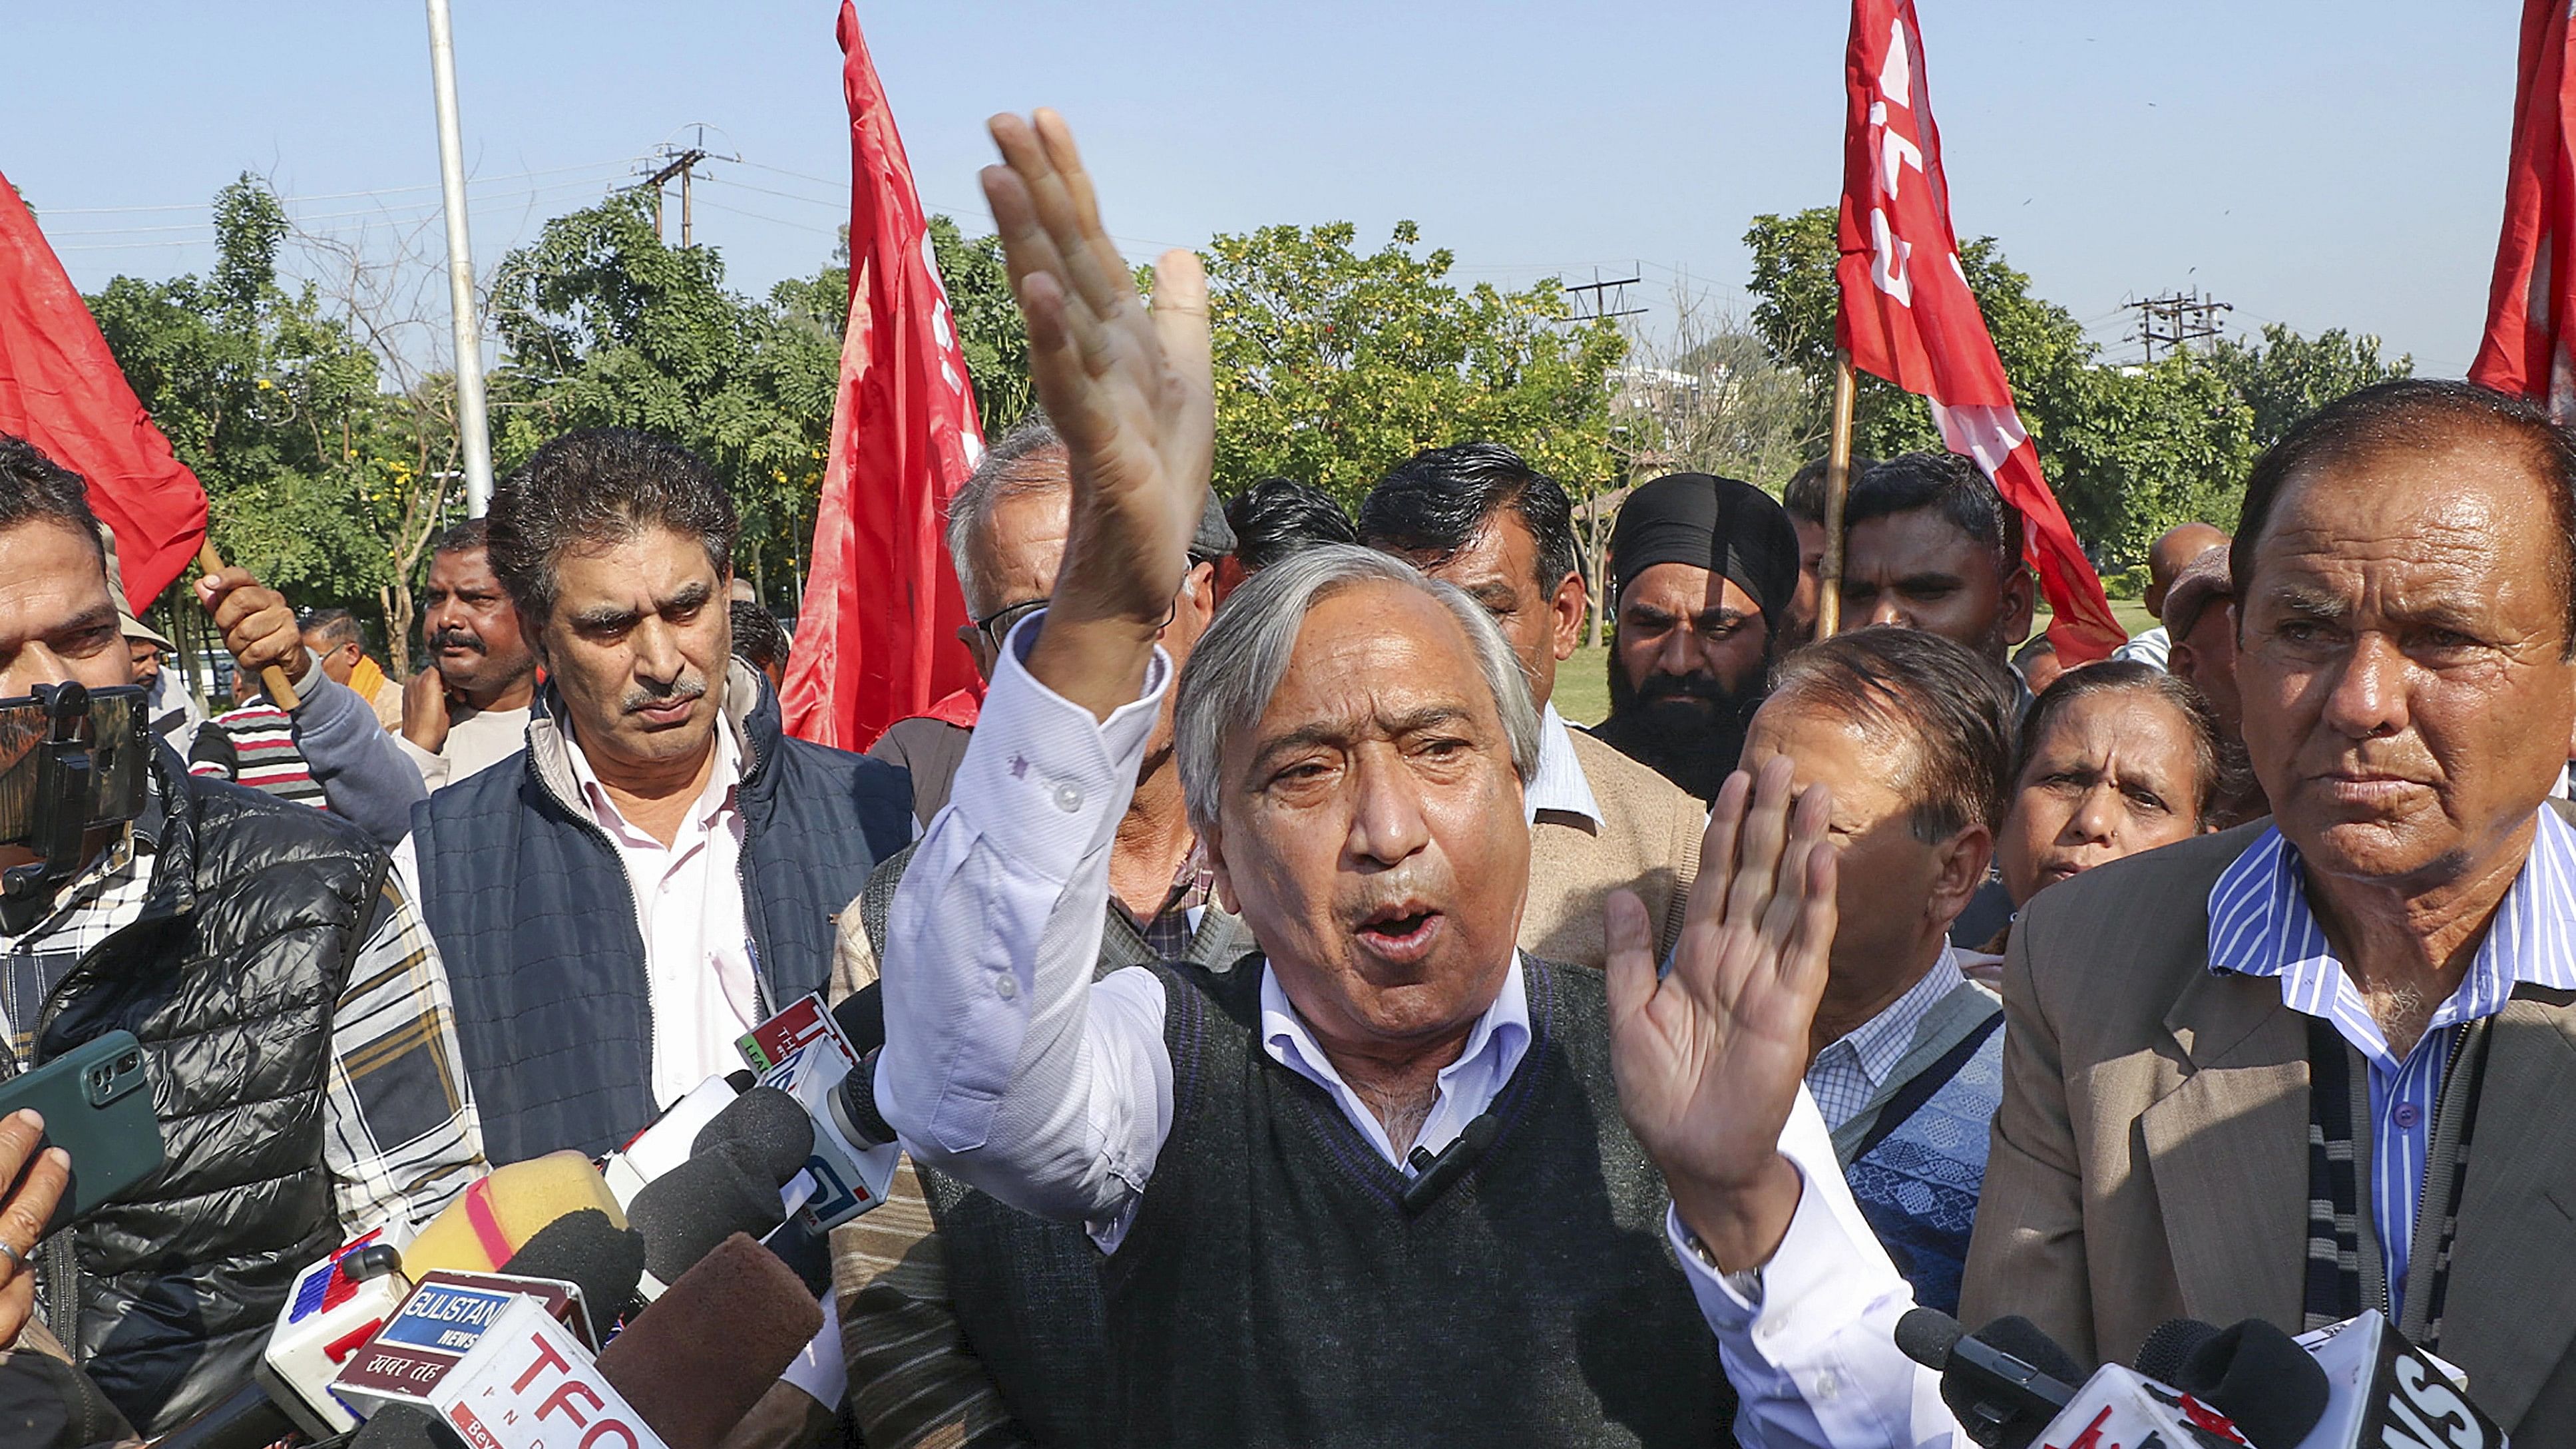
[[659, 870], [1912, 735]]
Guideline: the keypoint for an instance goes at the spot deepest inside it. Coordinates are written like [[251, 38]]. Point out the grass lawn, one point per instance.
[[1583, 682]]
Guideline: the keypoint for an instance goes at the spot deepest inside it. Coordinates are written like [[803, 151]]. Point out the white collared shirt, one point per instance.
[[688, 904], [1560, 785], [1495, 1046]]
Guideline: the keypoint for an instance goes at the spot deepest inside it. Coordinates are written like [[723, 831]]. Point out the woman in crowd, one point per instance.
[[2115, 759]]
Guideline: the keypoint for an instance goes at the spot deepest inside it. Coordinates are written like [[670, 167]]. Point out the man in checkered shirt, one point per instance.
[[293, 1012]]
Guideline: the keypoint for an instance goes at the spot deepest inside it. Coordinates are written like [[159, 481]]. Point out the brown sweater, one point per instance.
[[1647, 841]]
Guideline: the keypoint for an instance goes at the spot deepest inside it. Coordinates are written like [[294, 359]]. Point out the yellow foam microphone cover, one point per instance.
[[488, 1221]]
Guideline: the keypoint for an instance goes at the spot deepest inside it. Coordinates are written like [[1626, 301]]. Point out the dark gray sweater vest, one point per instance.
[[1273, 1291]]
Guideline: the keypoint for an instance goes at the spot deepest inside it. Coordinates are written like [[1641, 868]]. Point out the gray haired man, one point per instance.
[[1371, 1184]]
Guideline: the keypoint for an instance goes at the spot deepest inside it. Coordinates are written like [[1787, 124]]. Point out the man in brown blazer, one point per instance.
[[1478, 516], [2290, 1072]]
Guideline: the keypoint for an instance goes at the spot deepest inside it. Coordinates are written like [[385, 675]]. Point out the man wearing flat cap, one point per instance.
[[1702, 570]]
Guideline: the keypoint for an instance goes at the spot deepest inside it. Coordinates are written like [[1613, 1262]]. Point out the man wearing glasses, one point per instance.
[[1006, 535], [1025, 1291]]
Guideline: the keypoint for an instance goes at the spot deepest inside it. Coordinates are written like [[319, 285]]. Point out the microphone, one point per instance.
[[2252, 1372], [336, 1305], [667, 1143], [683, 1214], [497, 1213], [739, 1295], [1434, 1172], [2383, 1389], [775, 1134], [404, 1426], [599, 1258], [2004, 1382]]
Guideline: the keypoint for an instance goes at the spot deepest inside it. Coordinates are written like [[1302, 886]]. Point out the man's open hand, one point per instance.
[[1127, 388], [1709, 1058]]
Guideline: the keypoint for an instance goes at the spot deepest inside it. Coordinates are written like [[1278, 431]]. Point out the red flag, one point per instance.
[[1908, 315], [60, 389], [2534, 285], [876, 636]]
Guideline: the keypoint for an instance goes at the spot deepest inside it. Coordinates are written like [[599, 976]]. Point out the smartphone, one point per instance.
[[97, 1103]]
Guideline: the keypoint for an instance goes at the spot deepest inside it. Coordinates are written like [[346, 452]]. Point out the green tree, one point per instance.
[[1332, 364], [2130, 450], [604, 325], [268, 399], [2284, 377]]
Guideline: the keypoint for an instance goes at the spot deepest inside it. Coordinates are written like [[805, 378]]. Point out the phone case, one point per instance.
[[97, 1104]]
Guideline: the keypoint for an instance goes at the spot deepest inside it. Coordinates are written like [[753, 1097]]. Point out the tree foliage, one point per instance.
[[1333, 364], [276, 406], [2130, 450], [602, 325]]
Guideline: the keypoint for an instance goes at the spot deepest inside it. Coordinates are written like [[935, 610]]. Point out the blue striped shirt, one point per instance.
[[2260, 925]]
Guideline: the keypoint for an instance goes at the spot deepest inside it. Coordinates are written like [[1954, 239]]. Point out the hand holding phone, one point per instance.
[[36, 1181]]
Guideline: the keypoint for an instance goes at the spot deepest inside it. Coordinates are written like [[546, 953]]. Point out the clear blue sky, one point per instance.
[[2317, 164]]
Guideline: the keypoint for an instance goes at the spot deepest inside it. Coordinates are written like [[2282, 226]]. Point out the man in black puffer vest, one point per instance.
[[290, 1004], [1385, 1182], [660, 869]]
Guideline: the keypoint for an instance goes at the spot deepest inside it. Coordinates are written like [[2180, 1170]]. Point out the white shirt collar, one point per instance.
[[712, 801], [1559, 786], [1467, 1086]]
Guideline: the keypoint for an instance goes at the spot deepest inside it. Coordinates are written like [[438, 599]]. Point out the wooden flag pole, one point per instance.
[[271, 678], [1829, 576]]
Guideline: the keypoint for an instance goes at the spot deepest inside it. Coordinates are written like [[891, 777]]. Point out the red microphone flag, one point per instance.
[[2534, 286], [1909, 316], [60, 389], [876, 635]]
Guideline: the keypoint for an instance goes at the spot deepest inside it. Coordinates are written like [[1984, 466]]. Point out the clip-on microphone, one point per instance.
[[1435, 1172]]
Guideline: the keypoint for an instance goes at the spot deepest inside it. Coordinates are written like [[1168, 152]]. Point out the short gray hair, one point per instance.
[[1237, 664], [999, 474]]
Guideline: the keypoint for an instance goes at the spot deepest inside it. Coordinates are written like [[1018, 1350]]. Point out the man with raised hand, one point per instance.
[[1371, 1184]]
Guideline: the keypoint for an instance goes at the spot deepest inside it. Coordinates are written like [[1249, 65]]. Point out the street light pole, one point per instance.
[[471, 421]]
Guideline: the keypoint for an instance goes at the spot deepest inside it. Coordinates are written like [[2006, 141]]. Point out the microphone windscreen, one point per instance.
[[738, 1296], [861, 1017], [500, 1211], [2258, 1376], [2170, 1347], [685, 1212], [2022, 1339], [776, 1135], [405, 1426], [585, 1249], [1926, 1335]]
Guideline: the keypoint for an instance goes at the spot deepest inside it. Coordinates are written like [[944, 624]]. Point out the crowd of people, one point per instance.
[[1298, 1031]]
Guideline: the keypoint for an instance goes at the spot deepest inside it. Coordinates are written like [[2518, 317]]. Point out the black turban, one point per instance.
[[1732, 529]]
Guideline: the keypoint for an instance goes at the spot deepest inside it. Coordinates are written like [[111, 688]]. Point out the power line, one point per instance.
[[618, 164]]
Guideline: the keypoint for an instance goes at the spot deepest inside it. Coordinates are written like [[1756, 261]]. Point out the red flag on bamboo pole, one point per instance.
[[61, 389], [1908, 314], [2524, 350], [876, 635]]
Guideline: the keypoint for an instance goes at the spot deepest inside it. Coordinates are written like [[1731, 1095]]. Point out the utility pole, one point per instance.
[[472, 424], [1609, 299], [681, 164], [2178, 319]]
